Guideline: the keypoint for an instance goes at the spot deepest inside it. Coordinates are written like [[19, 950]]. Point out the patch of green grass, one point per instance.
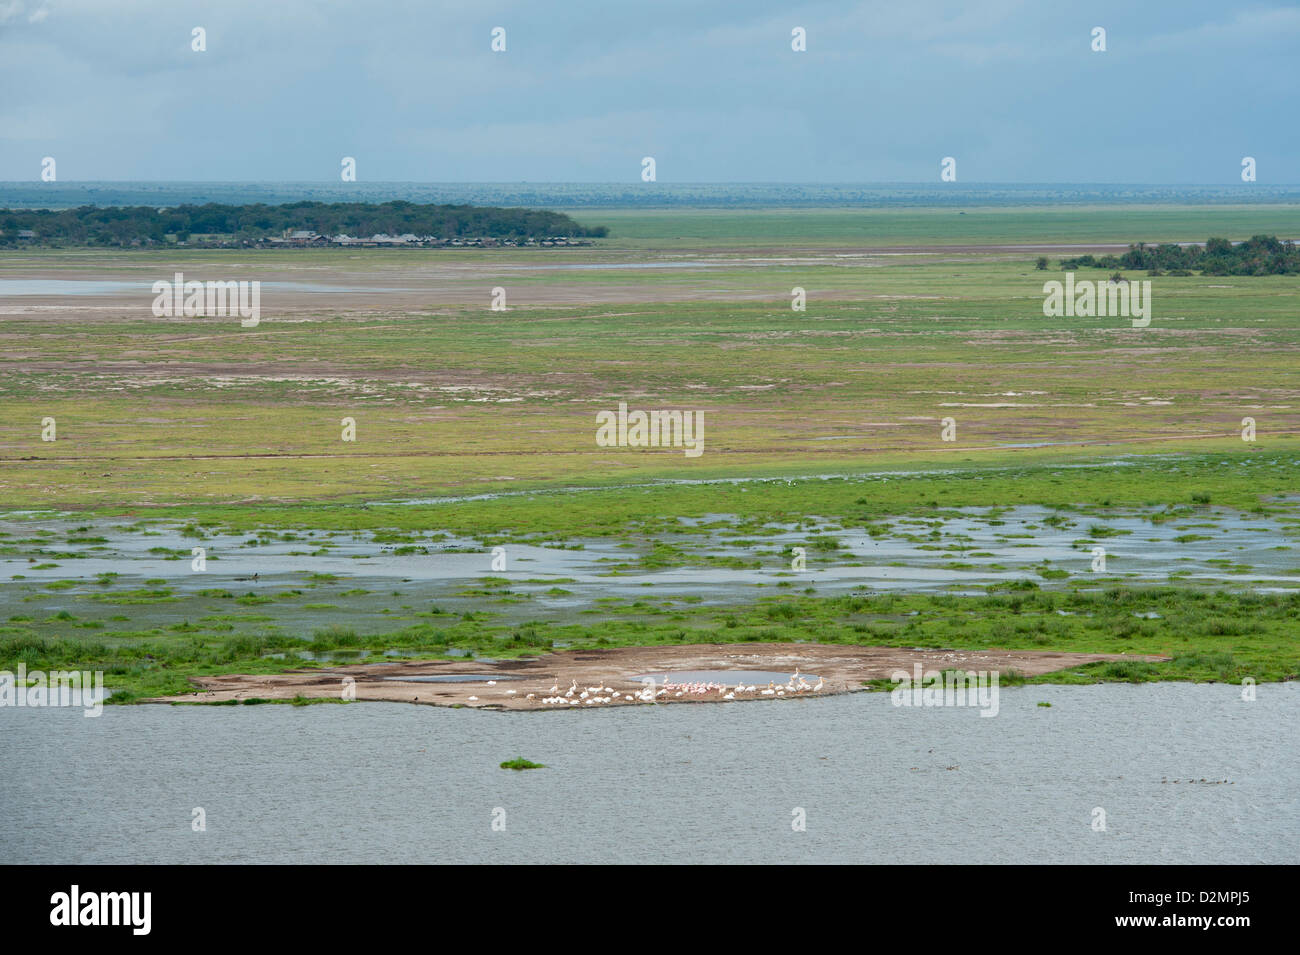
[[519, 763]]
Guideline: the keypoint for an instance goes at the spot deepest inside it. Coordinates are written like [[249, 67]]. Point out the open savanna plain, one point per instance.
[[475, 429]]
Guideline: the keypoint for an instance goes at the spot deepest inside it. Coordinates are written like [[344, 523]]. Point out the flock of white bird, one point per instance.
[[601, 694]]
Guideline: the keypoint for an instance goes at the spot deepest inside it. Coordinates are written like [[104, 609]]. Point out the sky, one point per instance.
[[1013, 91]]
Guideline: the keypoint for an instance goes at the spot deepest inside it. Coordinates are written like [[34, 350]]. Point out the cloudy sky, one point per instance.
[[712, 90]]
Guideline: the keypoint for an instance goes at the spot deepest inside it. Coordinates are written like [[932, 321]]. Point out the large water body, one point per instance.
[[43, 195], [375, 782]]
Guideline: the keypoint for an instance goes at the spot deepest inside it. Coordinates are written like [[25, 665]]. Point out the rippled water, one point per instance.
[[376, 782]]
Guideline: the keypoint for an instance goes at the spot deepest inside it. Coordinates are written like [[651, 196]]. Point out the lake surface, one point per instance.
[[374, 782]]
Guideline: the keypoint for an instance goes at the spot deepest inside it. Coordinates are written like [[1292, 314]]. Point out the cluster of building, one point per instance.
[[303, 238]]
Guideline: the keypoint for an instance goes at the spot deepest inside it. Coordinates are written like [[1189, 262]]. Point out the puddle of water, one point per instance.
[[726, 677], [1039, 444], [10, 287], [56, 287], [623, 266], [453, 678]]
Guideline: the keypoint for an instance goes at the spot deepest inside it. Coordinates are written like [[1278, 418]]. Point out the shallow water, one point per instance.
[[368, 585], [375, 782], [627, 266], [965, 547], [52, 287], [454, 678], [728, 677]]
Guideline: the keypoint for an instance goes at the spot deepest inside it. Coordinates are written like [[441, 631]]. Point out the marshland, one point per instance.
[[199, 519]]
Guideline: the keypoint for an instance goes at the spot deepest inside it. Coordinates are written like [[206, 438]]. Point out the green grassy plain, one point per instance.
[[990, 225], [461, 399]]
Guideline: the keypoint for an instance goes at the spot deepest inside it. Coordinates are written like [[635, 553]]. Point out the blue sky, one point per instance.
[[412, 90]]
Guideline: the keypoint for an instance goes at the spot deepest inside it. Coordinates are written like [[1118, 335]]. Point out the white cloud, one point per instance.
[[1250, 28], [10, 10]]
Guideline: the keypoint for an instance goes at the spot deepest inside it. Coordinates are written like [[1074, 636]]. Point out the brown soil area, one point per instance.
[[843, 669]]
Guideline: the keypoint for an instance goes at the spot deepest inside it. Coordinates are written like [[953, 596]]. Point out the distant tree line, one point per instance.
[[1260, 255], [146, 225]]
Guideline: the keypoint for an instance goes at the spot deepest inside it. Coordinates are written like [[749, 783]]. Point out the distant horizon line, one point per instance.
[[637, 184]]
